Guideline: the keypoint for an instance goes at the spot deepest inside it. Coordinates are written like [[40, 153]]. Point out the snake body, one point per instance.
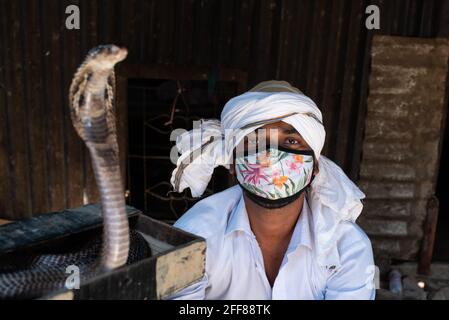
[[91, 109]]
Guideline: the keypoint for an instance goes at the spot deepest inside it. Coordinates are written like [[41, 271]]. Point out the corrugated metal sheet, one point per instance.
[[320, 46]]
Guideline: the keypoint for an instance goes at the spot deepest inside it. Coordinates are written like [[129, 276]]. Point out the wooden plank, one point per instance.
[[179, 268], [397, 11], [163, 232], [149, 47], [25, 95], [319, 20], [225, 33], [166, 29], [111, 21], [63, 296], [386, 7], [305, 11], [443, 18], [318, 24], [38, 134], [178, 72], [143, 9], [52, 22], [404, 8], [429, 230], [184, 30], [92, 12], [428, 15], [214, 27], [242, 33], [332, 79], [31, 232], [19, 162], [6, 186], [329, 10], [411, 19], [71, 46], [261, 48], [288, 45], [3, 222], [361, 101], [130, 34], [297, 45], [342, 145], [202, 33]]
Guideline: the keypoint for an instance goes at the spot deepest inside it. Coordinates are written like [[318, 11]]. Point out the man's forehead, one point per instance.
[[283, 127]]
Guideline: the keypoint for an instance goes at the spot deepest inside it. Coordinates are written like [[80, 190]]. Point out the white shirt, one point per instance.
[[235, 267]]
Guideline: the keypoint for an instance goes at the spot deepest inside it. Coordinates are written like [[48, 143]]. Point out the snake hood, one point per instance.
[[92, 89]]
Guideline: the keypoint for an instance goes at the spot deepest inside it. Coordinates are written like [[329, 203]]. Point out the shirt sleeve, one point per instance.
[[354, 280], [196, 291]]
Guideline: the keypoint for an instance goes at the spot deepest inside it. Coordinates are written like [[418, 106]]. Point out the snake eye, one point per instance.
[[113, 49]]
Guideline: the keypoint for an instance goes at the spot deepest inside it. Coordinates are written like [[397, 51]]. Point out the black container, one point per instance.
[[178, 258]]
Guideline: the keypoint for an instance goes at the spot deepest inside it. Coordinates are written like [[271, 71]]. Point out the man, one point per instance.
[[287, 230]]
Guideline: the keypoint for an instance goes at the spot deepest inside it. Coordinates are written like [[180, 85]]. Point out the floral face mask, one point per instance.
[[275, 177]]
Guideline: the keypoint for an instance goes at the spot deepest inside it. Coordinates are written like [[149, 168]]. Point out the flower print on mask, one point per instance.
[[276, 173], [279, 181], [292, 165], [253, 174], [298, 158]]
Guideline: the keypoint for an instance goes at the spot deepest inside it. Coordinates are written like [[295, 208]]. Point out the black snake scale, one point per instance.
[[91, 109], [34, 276]]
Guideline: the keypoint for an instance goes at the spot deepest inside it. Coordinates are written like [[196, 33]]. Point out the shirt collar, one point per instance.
[[239, 221], [301, 236]]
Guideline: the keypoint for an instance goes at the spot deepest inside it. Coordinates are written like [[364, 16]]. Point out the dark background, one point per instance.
[[320, 46]]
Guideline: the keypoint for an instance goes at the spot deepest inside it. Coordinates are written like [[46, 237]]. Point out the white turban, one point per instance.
[[333, 197]]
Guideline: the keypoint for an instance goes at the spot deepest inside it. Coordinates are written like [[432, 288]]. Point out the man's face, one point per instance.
[[280, 133]]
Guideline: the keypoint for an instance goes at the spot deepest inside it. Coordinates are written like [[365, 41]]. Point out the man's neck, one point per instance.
[[273, 225], [273, 229]]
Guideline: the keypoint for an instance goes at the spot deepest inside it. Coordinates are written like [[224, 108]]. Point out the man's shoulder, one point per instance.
[[351, 234], [209, 216]]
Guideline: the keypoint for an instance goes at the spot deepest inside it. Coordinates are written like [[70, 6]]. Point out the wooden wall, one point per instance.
[[320, 46]]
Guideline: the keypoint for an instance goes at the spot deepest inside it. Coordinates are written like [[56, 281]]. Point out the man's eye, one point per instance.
[[292, 141]]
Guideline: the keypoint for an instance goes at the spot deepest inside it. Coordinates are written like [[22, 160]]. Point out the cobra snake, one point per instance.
[[92, 114]]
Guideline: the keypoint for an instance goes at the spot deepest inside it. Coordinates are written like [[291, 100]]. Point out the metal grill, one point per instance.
[[155, 108]]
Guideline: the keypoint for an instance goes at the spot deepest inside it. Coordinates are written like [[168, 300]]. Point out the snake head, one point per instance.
[[92, 90], [104, 57]]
